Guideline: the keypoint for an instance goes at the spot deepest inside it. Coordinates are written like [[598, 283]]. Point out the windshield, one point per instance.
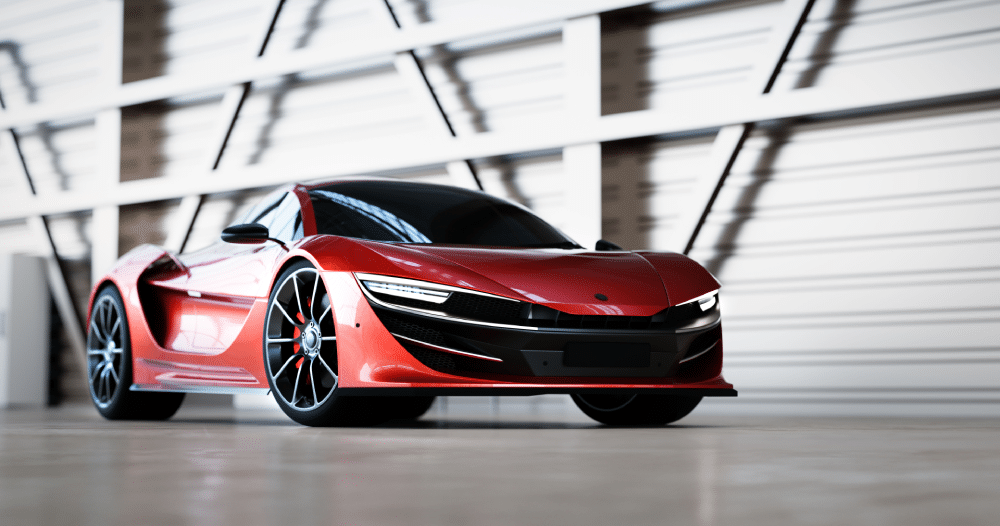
[[404, 212]]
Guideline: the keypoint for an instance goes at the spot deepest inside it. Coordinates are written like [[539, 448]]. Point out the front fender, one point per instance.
[[683, 278]]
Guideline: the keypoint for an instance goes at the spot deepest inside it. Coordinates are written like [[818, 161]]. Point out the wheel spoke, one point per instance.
[[111, 368], [118, 323], [295, 390], [312, 381], [329, 370], [287, 317], [298, 299], [105, 388], [97, 333], [280, 340], [108, 311], [312, 300], [95, 352], [320, 320], [283, 367], [97, 370], [329, 338]]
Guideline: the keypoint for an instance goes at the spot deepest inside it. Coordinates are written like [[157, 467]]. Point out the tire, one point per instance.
[[109, 366], [300, 355], [408, 407], [634, 409]]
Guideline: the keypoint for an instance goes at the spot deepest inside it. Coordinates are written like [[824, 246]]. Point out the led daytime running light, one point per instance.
[[705, 301], [407, 291]]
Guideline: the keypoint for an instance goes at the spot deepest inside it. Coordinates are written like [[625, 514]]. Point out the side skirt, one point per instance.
[[527, 391], [200, 389]]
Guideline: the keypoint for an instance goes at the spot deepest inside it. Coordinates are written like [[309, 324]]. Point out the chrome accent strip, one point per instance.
[[437, 314], [200, 389], [194, 294], [689, 358], [446, 349]]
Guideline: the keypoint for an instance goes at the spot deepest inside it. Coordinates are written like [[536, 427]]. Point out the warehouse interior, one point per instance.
[[833, 163]]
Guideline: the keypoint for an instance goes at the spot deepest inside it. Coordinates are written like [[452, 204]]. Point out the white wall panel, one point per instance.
[[878, 44], [700, 52], [861, 254], [60, 156], [168, 139], [324, 24], [313, 121], [18, 238], [645, 185], [514, 81], [48, 50], [202, 35]]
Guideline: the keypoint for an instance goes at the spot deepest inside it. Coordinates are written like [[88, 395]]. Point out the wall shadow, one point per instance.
[[778, 135]]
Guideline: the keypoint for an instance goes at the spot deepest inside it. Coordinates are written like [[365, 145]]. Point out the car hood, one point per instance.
[[571, 281]]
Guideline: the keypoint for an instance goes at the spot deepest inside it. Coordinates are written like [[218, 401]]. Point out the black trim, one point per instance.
[[527, 391]]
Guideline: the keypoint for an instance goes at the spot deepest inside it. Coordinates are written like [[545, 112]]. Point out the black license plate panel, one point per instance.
[[606, 354]]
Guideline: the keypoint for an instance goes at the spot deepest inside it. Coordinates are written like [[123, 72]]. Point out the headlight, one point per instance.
[[404, 288], [706, 301]]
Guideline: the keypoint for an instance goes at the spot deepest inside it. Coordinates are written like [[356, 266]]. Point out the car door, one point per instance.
[[225, 279]]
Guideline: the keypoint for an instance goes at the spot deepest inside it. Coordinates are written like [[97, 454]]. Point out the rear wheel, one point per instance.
[[300, 354], [109, 366], [634, 409]]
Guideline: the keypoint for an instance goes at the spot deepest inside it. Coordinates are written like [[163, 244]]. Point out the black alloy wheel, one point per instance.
[[109, 366]]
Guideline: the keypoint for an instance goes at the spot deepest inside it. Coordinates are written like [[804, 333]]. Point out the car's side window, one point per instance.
[[266, 205], [284, 221]]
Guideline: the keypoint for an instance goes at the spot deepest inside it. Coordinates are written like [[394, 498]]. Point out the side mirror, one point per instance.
[[606, 246], [247, 234]]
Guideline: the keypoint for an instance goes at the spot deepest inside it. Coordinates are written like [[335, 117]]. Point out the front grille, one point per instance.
[[476, 307], [451, 363], [546, 317], [406, 328]]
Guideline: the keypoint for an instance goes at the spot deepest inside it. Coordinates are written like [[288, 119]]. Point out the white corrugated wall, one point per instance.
[[859, 254]]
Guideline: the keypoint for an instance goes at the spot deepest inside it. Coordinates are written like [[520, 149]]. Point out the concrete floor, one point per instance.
[[226, 466]]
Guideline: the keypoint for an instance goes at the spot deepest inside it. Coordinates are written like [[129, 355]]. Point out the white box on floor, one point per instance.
[[24, 331]]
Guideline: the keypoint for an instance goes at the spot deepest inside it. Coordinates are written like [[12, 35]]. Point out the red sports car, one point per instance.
[[358, 301]]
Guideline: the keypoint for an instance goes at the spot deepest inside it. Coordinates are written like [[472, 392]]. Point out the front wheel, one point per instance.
[[300, 354], [109, 366], [634, 409]]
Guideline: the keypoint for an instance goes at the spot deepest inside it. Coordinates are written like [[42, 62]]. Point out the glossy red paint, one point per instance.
[[683, 277], [213, 304]]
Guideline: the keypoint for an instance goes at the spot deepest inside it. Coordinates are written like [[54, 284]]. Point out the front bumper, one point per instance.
[[531, 355]]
